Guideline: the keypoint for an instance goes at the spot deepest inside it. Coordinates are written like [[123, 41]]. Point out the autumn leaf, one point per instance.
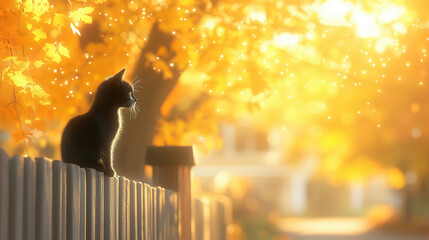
[[37, 92], [51, 52], [38, 63], [19, 79], [60, 20], [38, 34], [81, 14], [36, 8], [63, 51], [33, 96]]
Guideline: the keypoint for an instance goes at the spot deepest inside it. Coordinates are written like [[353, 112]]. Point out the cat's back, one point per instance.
[[79, 137]]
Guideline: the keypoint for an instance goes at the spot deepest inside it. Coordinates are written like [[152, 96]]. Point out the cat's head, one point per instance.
[[115, 92]]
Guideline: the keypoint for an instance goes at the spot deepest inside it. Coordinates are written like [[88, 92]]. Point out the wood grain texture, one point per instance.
[[99, 208], [124, 208], [82, 176], [146, 211], [16, 193], [59, 201], [133, 211], [29, 198], [90, 203], [4, 195], [43, 199], [73, 202], [140, 210]]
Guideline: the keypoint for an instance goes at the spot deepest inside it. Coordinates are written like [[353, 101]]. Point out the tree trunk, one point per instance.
[[137, 134], [130, 150]]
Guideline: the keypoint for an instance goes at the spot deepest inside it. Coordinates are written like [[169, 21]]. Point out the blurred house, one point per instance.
[[253, 161]]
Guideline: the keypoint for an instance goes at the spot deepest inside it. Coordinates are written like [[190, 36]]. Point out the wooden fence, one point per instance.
[[42, 199], [213, 215]]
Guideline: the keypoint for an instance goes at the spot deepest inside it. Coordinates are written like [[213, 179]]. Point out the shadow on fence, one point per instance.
[[43, 199]]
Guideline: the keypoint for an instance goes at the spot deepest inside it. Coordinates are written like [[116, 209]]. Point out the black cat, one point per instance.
[[87, 139]]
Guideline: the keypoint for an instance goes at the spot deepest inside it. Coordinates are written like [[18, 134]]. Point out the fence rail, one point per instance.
[[42, 199]]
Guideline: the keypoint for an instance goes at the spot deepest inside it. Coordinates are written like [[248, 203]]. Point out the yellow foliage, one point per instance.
[[39, 34], [19, 79], [60, 20], [63, 51], [38, 63], [82, 14], [35, 7], [51, 52]]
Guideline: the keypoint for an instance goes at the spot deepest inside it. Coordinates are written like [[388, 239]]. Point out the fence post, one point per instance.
[[172, 169], [16, 193], [4, 194]]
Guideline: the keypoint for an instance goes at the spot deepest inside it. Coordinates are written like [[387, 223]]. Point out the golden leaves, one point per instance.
[[81, 14], [38, 34], [36, 8], [38, 63], [63, 51], [36, 39], [51, 52], [19, 79], [15, 72], [54, 52], [60, 20]]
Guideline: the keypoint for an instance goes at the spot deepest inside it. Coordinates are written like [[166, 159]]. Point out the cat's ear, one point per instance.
[[118, 76]]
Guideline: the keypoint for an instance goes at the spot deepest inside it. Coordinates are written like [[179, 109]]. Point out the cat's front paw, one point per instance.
[[109, 172]]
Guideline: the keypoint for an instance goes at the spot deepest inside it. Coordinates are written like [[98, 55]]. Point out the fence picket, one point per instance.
[[213, 220], [99, 209], [151, 206], [59, 205], [116, 208], [146, 211], [90, 203], [73, 202], [108, 208], [82, 176], [16, 191], [140, 210], [124, 233], [121, 208], [4, 195], [160, 213], [175, 219], [155, 212], [29, 198], [133, 210], [169, 216], [199, 219], [43, 199], [127, 209]]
